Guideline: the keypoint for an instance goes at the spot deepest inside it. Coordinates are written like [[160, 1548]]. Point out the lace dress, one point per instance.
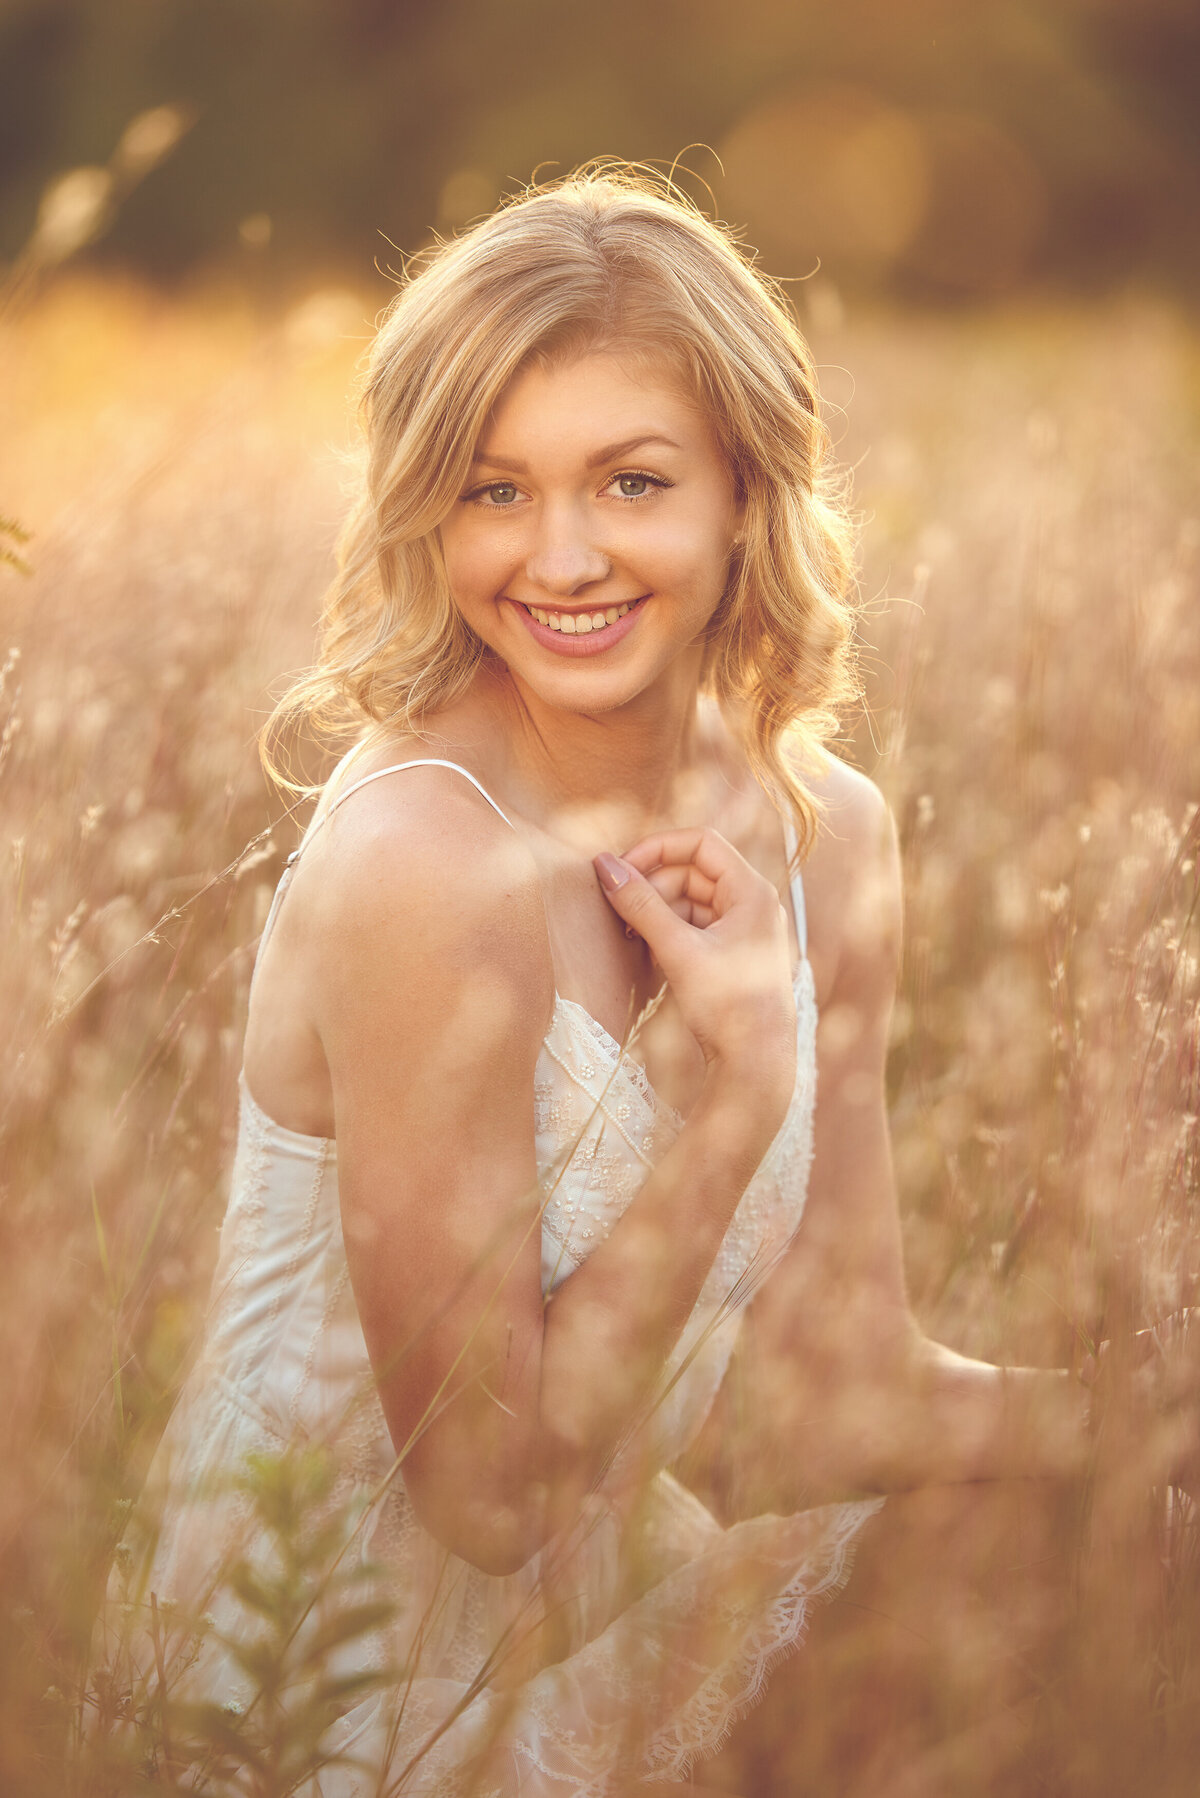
[[624, 1649]]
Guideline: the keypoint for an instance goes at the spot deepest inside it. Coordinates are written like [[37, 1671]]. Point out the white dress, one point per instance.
[[624, 1649]]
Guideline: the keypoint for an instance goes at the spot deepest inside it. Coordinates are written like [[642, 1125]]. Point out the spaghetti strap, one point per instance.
[[423, 762], [796, 885], [397, 768], [294, 857]]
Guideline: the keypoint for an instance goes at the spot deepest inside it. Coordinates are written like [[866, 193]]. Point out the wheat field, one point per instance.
[[1031, 662]]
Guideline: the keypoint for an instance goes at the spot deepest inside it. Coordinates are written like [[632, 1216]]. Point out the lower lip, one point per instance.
[[592, 643]]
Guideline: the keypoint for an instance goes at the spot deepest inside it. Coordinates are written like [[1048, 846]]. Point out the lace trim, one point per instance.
[[613, 1676], [701, 1726], [588, 1035], [634, 1072], [592, 1186], [558, 1229]]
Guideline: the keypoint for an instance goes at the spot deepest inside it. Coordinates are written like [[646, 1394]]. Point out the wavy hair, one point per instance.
[[610, 256]]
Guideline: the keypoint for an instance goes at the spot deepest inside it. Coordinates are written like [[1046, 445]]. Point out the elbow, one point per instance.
[[496, 1538], [502, 1553], [499, 1544], [495, 1511]]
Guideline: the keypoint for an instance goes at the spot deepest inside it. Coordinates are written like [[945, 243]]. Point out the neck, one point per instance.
[[604, 779]]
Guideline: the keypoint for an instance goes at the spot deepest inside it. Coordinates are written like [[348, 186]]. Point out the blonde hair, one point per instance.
[[610, 256]]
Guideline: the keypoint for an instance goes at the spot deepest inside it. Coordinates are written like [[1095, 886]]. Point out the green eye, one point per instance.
[[501, 493], [633, 486]]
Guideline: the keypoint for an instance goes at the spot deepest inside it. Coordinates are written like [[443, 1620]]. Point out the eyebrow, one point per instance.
[[610, 453]]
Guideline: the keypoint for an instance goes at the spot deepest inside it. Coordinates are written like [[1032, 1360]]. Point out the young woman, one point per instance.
[[585, 922]]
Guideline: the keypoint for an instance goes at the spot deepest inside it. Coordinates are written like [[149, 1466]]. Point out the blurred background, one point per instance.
[[915, 147], [988, 219]]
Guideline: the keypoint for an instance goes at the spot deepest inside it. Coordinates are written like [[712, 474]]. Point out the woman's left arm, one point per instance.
[[848, 1393]]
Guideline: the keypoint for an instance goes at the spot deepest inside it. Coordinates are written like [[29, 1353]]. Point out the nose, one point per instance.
[[563, 560]]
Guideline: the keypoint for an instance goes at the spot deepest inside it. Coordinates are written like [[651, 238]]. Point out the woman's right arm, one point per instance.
[[433, 993]]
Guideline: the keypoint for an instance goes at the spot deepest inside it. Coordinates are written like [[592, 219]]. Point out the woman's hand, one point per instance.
[[719, 933]]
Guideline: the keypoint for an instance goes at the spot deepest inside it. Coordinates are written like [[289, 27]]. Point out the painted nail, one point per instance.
[[612, 871]]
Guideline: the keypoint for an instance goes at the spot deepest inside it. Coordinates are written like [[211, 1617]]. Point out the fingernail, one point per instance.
[[612, 871]]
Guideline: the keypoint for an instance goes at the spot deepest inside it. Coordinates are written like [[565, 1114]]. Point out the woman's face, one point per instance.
[[591, 545]]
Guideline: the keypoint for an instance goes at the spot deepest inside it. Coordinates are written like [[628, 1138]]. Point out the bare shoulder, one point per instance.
[[416, 883], [852, 880], [856, 820]]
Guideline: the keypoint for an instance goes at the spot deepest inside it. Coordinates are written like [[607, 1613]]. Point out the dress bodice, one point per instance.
[[282, 1279], [599, 1128]]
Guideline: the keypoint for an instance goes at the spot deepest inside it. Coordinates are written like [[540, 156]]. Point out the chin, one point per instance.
[[584, 693]]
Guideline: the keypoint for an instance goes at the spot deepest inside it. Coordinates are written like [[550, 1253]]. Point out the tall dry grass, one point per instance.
[[1032, 654]]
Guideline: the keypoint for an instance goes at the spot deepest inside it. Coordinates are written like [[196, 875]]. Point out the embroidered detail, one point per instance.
[[605, 1126]]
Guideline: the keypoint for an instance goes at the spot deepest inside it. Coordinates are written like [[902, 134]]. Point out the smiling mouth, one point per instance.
[[579, 624]]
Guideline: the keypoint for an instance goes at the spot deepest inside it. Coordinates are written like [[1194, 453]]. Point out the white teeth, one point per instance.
[[577, 624]]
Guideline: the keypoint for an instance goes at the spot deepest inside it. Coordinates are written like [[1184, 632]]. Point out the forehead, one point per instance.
[[597, 397]]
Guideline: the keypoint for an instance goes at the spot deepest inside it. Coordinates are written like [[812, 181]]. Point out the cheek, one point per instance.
[[693, 557], [456, 561], [474, 562]]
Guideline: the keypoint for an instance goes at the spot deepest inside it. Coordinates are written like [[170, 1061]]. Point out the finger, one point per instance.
[[707, 849], [685, 883], [643, 910], [699, 916], [725, 881]]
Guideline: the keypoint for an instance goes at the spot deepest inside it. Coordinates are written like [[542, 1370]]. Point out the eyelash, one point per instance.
[[475, 496]]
